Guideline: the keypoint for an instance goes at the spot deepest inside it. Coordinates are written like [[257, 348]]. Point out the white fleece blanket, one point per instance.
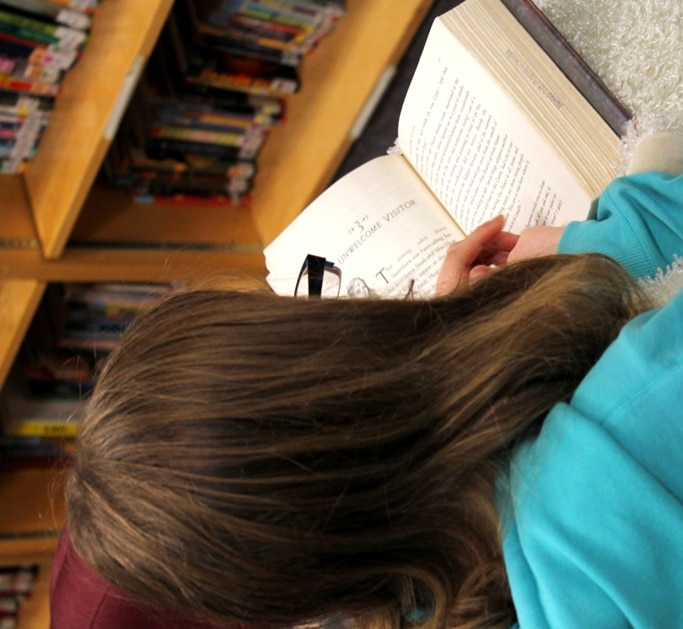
[[636, 47]]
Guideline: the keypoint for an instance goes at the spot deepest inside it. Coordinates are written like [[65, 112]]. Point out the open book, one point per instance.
[[489, 126]]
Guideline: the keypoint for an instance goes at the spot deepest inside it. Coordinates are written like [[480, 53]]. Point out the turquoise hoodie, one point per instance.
[[593, 531]]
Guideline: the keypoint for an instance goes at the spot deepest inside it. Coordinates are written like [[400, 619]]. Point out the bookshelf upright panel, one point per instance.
[[86, 112], [18, 302]]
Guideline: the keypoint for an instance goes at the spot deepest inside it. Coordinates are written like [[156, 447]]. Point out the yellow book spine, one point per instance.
[[45, 429]]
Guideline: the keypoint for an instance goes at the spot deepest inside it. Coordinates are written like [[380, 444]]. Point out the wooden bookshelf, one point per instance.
[[55, 200], [59, 225], [29, 532], [34, 611]]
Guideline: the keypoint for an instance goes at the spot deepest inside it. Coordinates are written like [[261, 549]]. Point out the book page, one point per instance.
[[475, 148], [379, 225]]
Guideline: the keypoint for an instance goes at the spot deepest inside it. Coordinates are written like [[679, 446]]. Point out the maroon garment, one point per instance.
[[80, 599]]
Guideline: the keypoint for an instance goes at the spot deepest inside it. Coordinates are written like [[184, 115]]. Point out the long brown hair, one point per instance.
[[277, 461]]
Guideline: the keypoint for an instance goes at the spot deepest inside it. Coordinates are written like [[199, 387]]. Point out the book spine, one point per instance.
[[294, 10], [51, 63], [62, 37], [246, 83], [42, 88], [322, 16], [593, 89], [196, 186], [33, 67], [24, 143], [289, 32], [86, 6], [267, 15], [14, 49], [206, 121], [22, 104], [159, 148], [219, 168], [46, 429], [48, 10], [247, 39], [239, 103], [222, 138], [52, 59], [252, 50]]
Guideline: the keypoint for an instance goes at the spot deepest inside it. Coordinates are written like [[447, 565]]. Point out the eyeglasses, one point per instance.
[[318, 278]]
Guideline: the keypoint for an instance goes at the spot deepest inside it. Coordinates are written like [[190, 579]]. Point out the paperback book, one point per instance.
[[490, 125]]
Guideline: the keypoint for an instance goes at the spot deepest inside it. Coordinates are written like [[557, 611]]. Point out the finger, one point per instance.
[[497, 250], [450, 274], [479, 272], [487, 235], [461, 255], [535, 242], [505, 241], [497, 258], [483, 238]]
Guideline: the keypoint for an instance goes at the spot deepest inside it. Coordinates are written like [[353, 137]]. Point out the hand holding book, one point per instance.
[[536, 242], [476, 256]]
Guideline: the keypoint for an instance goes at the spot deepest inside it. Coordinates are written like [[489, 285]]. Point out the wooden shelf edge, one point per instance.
[[17, 229], [38, 514], [19, 299], [20, 549], [100, 264]]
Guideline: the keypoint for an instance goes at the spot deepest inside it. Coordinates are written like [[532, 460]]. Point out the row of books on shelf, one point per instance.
[[212, 91], [215, 86], [16, 584], [40, 41], [252, 45], [74, 329], [190, 147]]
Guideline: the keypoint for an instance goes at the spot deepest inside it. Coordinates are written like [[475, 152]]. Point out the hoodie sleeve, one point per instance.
[[639, 223]]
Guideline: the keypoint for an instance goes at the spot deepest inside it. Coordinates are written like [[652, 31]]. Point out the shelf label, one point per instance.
[[123, 99], [372, 102]]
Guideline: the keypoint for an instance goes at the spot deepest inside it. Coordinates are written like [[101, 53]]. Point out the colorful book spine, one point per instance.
[[40, 40], [61, 37], [49, 10], [245, 82], [29, 86], [45, 429], [23, 69], [203, 136], [86, 6]]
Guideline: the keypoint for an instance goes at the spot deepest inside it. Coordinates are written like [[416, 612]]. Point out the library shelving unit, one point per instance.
[[57, 225]]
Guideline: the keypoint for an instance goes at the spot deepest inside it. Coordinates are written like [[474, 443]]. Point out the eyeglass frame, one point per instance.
[[316, 266]]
